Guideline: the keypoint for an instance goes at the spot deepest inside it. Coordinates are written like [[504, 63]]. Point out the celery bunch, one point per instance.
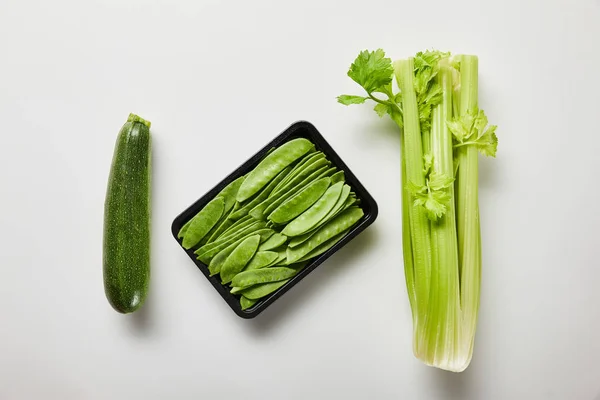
[[442, 132]]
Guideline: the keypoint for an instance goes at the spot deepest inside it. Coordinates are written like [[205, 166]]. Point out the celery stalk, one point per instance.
[[413, 154], [442, 328], [441, 132], [469, 246]]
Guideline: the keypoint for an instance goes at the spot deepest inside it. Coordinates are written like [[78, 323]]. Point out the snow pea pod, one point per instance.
[[300, 177], [246, 303], [324, 247], [257, 292], [311, 217], [273, 242], [203, 222], [299, 202], [339, 206], [262, 195], [267, 206], [238, 258], [271, 165], [342, 222], [183, 229], [338, 177], [310, 163], [262, 259], [252, 226], [207, 255], [256, 276]]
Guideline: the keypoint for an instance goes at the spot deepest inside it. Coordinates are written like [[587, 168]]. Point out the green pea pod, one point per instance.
[[230, 192], [203, 222], [262, 259], [232, 237], [237, 227], [338, 177], [262, 195], [300, 202], [256, 276], [208, 255], [184, 229], [305, 167], [324, 247], [311, 217], [273, 242], [339, 224], [267, 206], [257, 292], [301, 176], [218, 229], [339, 206], [238, 258], [271, 165], [246, 303]]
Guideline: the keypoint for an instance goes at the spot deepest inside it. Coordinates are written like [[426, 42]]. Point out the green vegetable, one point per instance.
[[203, 222], [311, 217], [184, 229], [299, 202], [291, 185], [338, 177], [126, 254], [253, 277], [273, 164], [337, 225], [324, 247], [207, 255], [247, 303], [442, 130], [262, 259], [238, 258], [257, 292], [262, 195], [273, 242]]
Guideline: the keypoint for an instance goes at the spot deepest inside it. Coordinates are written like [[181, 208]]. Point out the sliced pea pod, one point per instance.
[[203, 222], [311, 217], [239, 258], [299, 202], [271, 165], [342, 222]]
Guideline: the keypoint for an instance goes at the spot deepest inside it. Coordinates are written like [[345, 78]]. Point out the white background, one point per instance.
[[218, 80]]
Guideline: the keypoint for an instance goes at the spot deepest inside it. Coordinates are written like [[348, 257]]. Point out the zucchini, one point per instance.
[[126, 248]]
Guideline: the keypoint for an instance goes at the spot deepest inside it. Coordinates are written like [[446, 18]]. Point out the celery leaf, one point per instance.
[[347, 99], [372, 70]]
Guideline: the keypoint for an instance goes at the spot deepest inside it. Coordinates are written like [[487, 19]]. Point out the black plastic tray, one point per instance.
[[299, 129]]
